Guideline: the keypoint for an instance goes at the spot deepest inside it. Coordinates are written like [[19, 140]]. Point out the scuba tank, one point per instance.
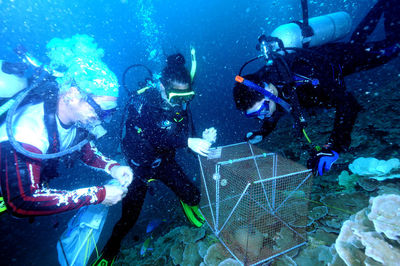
[[12, 81], [326, 28]]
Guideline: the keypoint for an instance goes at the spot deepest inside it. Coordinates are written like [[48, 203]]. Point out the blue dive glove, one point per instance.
[[321, 161]]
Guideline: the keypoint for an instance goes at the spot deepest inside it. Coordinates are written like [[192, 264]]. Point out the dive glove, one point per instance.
[[253, 137], [200, 146], [321, 161]]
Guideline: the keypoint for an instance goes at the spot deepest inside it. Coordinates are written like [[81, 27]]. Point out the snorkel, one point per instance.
[[264, 92]]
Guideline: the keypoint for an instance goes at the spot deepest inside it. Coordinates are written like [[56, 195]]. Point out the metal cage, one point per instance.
[[255, 202]]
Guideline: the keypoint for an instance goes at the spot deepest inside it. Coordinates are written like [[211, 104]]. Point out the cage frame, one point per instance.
[[271, 205]]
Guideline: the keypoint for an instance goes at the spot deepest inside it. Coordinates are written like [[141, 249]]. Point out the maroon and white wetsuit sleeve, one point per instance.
[[24, 194], [93, 157]]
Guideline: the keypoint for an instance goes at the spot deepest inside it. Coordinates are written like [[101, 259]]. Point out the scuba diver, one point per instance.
[[294, 79], [159, 122], [56, 118]]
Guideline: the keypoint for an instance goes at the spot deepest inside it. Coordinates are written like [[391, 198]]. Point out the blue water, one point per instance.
[[224, 34]]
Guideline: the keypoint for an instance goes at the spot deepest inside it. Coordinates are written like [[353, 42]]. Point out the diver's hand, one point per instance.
[[210, 134], [321, 161], [199, 145], [113, 194], [123, 174], [253, 137]]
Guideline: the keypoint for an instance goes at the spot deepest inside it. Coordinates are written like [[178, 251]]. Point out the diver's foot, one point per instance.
[[104, 260], [193, 214], [392, 50]]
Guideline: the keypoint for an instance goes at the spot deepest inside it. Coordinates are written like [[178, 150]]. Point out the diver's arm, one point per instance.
[[192, 128], [347, 109], [25, 195], [93, 157], [269, 124]]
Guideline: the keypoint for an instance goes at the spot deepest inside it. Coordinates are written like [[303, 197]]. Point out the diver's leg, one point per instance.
[[172, 175], [131, 206], [347, 109], [392, 21], [368, 24], [358, 55]]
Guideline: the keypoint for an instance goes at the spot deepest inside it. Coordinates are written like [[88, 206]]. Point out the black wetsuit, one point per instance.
[[317, 73], [154, 130]]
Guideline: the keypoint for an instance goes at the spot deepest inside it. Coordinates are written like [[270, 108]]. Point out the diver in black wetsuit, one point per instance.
[[159, 122], [314, 78]]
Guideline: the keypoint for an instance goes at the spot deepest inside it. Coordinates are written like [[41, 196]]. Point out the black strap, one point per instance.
[[306, 30], [304, 7], [192, 129], [289, 91], [49, 168], [50, 120]]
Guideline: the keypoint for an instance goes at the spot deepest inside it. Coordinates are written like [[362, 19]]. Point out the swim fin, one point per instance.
[[103, 261], [193, 214]]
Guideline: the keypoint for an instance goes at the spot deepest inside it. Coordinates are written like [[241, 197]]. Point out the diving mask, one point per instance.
[[96, 128], [262, 112], [180, 96], [103, 115]]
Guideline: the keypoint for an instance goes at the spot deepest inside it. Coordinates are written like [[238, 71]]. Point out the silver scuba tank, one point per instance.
[[10, 84], [326, 28]]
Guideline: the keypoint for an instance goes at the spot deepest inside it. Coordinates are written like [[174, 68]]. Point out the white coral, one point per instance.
[[364, 238], [385, 214]]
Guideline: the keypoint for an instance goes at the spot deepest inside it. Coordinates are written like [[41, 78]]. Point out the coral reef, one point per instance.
[[182, 245], [367, 238], [373, 166]]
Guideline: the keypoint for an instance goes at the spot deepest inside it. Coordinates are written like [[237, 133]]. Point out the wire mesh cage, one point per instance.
[[255, 202]]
